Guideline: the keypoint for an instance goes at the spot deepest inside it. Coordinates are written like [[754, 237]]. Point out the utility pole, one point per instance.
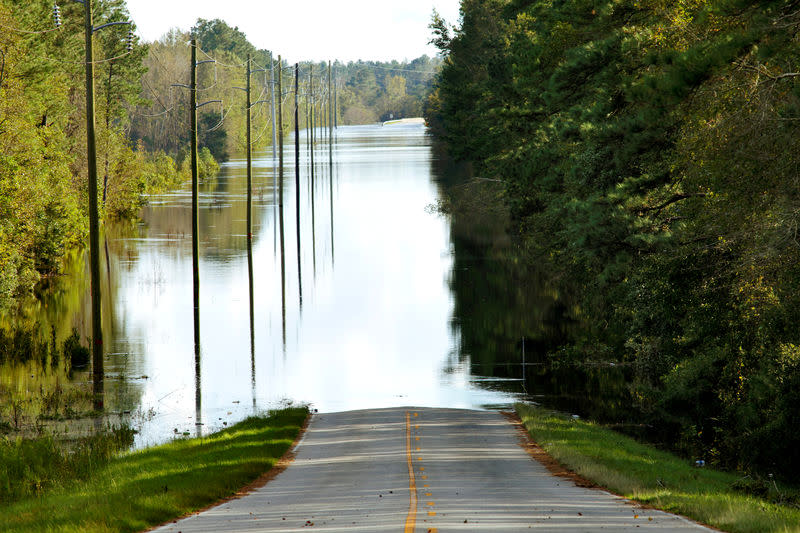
[[248, 112], [249, 159], [272, 97], [280, 125], [311, 115], [335, 105], [94, 216], [297, 128], [308, 111], [193, 106], [272, 113], [195, 209], [330, 115]]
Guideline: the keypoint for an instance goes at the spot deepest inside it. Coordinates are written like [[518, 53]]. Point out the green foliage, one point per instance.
[[372, 91], [662, 480], [649, 156], [160, 117], [75, 352], [43, 167], [28, 467], [136, 491], [25, 344]]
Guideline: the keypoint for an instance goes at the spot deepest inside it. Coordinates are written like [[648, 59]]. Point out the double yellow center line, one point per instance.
[[411, 519]]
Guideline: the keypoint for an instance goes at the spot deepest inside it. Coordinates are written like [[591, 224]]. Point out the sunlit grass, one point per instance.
[[654, 477], [148, 487]]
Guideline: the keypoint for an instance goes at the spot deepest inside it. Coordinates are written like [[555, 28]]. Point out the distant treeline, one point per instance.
[[377, 91], [366, 91], [650, 154]]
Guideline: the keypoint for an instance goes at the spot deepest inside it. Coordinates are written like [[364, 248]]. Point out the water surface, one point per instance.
[[363, 319]]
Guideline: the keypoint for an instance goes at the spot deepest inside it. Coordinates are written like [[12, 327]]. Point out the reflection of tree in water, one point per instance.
[[51, 389], [38, 391], [503, 304]]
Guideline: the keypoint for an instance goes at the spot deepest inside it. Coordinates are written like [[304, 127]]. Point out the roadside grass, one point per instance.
[[657, 478], [141, 489]]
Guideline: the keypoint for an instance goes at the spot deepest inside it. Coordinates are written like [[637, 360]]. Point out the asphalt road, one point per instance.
[[422, 470]]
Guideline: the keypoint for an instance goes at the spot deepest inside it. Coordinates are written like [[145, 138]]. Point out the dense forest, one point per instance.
[[142, 119], [648, 156]]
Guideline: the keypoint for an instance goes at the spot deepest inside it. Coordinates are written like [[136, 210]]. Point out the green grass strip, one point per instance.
[[148, 487], [653, 477]]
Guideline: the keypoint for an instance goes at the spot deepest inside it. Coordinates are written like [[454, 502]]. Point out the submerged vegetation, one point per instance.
[[36, 385], [648, 156]]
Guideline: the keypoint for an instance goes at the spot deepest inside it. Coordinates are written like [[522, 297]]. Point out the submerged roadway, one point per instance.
[[422, 470]]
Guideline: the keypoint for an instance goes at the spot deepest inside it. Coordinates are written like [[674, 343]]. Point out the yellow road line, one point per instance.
[[411, 519]]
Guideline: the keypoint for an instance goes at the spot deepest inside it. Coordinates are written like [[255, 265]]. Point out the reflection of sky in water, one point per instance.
[[375, 325]]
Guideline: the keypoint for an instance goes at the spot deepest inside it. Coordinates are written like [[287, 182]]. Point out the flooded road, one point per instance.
[[361, 317]]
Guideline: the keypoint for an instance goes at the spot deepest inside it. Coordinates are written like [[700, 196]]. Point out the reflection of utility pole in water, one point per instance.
[[524, 382], [283, 258], [331, 193], [312, 188], [108, 266], [297, 176], [280, 204], [198, 393], [252, 321]]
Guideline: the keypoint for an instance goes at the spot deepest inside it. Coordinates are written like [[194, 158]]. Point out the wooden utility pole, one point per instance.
[[249, 158], [272, 109], [94, 216], [272, 113], [335, 105], [311, 114], [308, 117], [195, 209], [330, 115], [280, 125], [297, 128]]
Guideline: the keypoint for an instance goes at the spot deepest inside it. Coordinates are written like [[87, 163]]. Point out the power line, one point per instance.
[[221, 120], [63, 61], [29, 32], [219, 63], [404, 69]]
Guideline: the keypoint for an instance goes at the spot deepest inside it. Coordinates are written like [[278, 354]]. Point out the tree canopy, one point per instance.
[[649, 152]]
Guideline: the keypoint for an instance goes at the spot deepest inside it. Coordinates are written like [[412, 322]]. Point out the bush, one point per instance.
[[74, 352]]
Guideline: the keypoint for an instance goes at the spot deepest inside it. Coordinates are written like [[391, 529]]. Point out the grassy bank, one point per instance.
[[659, 479], [144, 488]]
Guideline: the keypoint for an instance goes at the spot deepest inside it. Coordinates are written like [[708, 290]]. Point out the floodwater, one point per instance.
[[362, 316]]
